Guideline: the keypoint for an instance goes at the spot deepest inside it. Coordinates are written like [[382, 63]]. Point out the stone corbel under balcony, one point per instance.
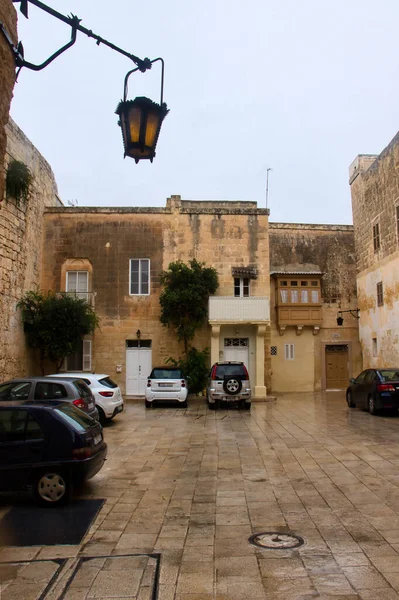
[[281, 329], [299, 329], [316, 330]]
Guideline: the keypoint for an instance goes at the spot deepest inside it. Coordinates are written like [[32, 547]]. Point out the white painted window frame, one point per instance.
[[140, 282], [289, 351]]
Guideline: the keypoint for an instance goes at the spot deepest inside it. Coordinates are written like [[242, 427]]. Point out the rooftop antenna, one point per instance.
[[267, 185]]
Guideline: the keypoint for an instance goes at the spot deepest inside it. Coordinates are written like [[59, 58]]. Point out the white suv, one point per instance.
[[108, 397]]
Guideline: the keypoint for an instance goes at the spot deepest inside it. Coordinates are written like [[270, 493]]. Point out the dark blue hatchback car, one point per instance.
[[48, 447]]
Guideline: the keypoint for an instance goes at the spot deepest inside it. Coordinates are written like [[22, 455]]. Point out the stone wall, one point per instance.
[[374, 181], [21, 250], [328, 249], [8, 17], [220, 234]]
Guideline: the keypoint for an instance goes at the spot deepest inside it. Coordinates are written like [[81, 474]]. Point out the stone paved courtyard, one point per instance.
[[193, 485]]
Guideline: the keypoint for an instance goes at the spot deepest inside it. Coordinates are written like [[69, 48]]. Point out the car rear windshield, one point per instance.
[[79, 421], [108, 382], [83, 389], [166, 374], [390, 374], [226, 370]]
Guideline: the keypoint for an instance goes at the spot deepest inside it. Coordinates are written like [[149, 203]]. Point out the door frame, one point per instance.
[[347, 343]]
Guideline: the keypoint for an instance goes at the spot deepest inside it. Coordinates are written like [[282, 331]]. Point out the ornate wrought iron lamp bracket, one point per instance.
[[74, 22]]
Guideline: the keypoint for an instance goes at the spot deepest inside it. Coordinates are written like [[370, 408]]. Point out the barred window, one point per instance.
[[273, 350]]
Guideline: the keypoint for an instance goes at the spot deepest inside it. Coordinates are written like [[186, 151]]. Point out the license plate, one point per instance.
[[165, 384], [97, 439]]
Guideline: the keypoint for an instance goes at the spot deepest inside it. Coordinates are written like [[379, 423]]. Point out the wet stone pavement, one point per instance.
[[185, 489]]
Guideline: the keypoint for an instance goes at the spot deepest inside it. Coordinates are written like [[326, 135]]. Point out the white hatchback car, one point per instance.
[[108, 397]]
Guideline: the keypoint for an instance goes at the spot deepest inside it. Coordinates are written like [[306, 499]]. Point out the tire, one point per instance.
[[211, 406], [148, 404], [232, 385], [53, 488], [183, 404], [247, 405], [349, 399], [371, 406], [101, 415]]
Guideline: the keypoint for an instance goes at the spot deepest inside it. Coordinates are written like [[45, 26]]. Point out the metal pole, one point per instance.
[[267, 185]]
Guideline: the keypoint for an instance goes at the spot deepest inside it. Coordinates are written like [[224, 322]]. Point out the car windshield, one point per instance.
[[227, 370], [108, 382], [166, 374], [79, 421], [390, 374]]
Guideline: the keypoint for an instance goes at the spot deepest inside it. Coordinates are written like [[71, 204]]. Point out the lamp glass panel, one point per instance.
[[135, 116], [152, 128]]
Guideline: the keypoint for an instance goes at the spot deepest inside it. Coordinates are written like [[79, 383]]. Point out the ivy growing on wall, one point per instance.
[[18, 181]]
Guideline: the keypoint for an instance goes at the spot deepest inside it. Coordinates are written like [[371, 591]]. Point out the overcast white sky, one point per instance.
[[302, 87]]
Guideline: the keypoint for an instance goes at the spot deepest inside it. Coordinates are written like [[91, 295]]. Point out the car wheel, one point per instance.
[[183, 404], [53, 488], [349, 400], [371, 406], [247, 405], [232, 385], [148, 404]]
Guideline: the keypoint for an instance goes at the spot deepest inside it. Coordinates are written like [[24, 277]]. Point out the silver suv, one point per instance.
[[228, 381]]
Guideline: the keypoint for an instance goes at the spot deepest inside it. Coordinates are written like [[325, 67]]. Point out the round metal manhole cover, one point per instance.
[[276, 541]]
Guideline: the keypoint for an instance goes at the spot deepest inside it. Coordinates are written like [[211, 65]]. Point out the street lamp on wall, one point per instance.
[[354, 312], [140, 119]]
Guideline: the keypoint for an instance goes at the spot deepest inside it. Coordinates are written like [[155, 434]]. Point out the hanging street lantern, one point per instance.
[[140, 120]]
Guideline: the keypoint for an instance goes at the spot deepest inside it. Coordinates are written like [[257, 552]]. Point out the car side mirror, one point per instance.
[[352, 380]]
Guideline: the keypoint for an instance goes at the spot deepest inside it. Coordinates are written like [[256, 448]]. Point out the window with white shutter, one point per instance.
[[289, 353], [86, 355]]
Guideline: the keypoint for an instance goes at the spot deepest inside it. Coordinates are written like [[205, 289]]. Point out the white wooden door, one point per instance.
[[138, 368], [236, 353]]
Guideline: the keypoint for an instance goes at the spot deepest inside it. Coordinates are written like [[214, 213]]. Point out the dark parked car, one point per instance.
[[41, 389], [48, 446], [374, 389]]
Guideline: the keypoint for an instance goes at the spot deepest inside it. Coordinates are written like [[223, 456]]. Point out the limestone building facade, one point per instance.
[[312, 270], [374, 182], [116, 255]]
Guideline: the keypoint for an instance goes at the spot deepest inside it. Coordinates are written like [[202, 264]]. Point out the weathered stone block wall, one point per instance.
[[212, 232], [21, 250], [374, 184], [8, 17], [331, 250]]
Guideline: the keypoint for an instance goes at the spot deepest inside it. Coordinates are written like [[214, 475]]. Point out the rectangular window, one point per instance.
[[304, 283], [375, 347], [294, 283], [304, 296], [315, 296], [86, 355], [376, 237], [294, 296], [241, 287], [380, 294], [139, 276], [284, 296], [289, 353], [77, 282], [315, 283]]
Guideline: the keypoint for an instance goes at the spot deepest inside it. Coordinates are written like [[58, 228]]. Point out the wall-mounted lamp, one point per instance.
[[140, 119], [138, 334], [353, 312]]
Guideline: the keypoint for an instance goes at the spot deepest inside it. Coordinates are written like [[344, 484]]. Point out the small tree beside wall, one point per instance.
[[184, 301], [55, 323]]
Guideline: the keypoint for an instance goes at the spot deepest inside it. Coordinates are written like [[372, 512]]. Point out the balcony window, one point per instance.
[[294, 296], [284, 296], [315, 297], [241, 287], [77, 283], [304, 296]]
